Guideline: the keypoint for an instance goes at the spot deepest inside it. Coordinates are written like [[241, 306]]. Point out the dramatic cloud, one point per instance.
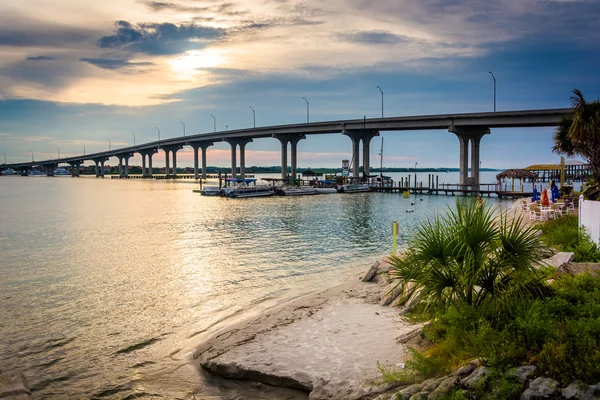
[[42, 35], [112, 63], [372, 37], [160, 39], [41, 58]]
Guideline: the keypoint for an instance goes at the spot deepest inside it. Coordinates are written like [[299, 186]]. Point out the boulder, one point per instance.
[[580, 391], [431, 384], [541, 388], [444, 386], [407, 392], [465, 370], [476, 378], [559, 259], [522, 374], [13, 386], [392, 291], [419, 396], [573, 268], [371, 273]]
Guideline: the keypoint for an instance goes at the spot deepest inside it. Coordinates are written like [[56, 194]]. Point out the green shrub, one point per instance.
[[564, 235]]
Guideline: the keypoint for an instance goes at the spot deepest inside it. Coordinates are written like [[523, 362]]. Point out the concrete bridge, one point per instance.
[[469, 129]]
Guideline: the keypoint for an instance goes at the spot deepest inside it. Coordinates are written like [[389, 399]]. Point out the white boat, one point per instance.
[[9, 171], [35, 172], [353, 188], [296, 191], [61, 171], [243, 188], [210, 191], [326, 190], [327, 186]]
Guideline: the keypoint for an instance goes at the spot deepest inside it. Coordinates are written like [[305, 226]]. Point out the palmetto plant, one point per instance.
[[470, 257]]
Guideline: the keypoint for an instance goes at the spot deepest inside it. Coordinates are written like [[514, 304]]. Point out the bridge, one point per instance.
[[469, 129]]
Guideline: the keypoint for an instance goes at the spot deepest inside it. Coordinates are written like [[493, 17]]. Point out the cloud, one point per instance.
[[371, 37], [114, 63], [159, 6], [41, 58], [29, 33], [160, 39]]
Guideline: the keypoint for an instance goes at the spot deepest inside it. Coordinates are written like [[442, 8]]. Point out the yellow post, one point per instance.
[[394, 236], [562, 171]]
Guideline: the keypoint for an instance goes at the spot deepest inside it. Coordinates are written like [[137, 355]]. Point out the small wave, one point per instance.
[[41, 348], [47, 382], [139, 345], [142, 364], [49, 363]]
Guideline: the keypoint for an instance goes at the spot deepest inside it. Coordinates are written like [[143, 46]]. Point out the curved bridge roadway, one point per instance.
[[469, 128]]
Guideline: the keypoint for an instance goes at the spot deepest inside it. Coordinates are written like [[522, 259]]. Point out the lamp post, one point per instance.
[[4, 158], [307, 119], [214, 123], [183, 127], [415, 167], [108, 143], [58, 152], [131, 133], [31, 155], [83, 148], [378, 87], [494, 90], [253, 116]]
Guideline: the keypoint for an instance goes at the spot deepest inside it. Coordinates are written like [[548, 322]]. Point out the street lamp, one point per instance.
[[306, 109], [31, 155], [494, 90], [83, 148], [253, 115], [183, 127], [108, 143], [133, 138], [381, 100], [415, 167], [58, 152], [215, 123], [4, 158]]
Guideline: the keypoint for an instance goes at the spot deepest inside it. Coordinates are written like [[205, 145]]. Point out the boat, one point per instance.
[[296, 191], [9, 171], [353, 188], [243, 188], [61, 171], [325, 187], [209, 191], [35, 172]]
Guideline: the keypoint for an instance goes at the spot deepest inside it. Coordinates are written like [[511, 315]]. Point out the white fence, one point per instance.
[[589, 217]]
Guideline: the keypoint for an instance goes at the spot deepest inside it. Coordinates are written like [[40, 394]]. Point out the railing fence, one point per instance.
[[589, 217]]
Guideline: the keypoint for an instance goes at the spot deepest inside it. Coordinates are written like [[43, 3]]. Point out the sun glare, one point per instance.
[[189, 63]]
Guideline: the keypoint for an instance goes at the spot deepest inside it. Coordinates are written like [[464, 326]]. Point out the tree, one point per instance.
[[470, 257], [579, 134]]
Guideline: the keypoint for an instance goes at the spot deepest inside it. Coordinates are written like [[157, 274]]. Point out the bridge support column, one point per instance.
[[75, 167], [203, 146], [466, 135], [124, 169], [171, 149], [242, 142], [167, 167], [293, 141], [147, 172], [364, 135], [100, 166]]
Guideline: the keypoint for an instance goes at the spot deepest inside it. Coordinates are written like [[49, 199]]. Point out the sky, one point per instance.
[[79, 75]]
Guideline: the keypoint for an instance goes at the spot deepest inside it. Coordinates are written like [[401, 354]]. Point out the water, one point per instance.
[[107, 285]]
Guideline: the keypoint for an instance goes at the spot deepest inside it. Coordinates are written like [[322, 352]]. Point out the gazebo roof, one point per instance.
[[516, 174], [310, 172]]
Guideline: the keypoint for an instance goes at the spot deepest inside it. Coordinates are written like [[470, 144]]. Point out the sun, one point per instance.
[[189, 63]]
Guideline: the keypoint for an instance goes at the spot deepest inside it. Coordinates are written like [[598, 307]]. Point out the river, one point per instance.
[[107, 285]]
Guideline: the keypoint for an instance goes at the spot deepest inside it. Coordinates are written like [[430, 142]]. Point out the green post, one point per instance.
[[394, 236]]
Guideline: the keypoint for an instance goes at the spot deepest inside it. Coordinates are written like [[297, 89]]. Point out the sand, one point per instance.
[[327, 343]]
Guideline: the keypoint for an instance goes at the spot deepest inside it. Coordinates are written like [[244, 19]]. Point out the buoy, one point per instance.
[[412, 204], [420, 199], [409, 211]]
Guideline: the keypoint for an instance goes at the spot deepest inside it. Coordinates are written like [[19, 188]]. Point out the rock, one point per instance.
[[579, 268], [443, 387], [522, 374], [407, 392], [477, 377], [541, 388], [580, 391], [432, 384], [410, 335], [419, 396], [14, 387], [559, 259], [392, 291], [464, 370], [371, 273]]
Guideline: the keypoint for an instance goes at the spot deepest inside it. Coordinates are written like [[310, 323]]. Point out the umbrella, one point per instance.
[[555, 193], [536, 195], [545, 199]]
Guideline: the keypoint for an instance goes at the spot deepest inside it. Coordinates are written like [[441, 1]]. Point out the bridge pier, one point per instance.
[[203, 146], [472, 135], [124, 169], [242, 142], [293, 141], [75, 167], [147, 172], [167, 150], [99, 166], [358, 135]]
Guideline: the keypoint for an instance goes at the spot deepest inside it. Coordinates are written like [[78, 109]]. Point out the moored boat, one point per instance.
[[296, 191], [353, 188], [243, 188], [61, 171], [210, 191], [9, 171]]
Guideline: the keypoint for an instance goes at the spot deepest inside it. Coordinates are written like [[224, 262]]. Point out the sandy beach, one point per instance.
[[326, 343]]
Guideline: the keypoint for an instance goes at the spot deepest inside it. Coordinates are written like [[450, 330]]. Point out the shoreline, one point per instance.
[[327, 342]]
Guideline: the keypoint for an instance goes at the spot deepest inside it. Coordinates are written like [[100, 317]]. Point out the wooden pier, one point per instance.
[[486, 189]]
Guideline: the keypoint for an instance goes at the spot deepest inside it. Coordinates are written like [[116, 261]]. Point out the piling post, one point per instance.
[[394, 236]]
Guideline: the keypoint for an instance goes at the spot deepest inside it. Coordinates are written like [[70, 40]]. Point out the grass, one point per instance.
[[564, 234]]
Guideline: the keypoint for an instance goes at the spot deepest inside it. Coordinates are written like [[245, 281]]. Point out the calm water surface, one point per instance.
[[107, 285]]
